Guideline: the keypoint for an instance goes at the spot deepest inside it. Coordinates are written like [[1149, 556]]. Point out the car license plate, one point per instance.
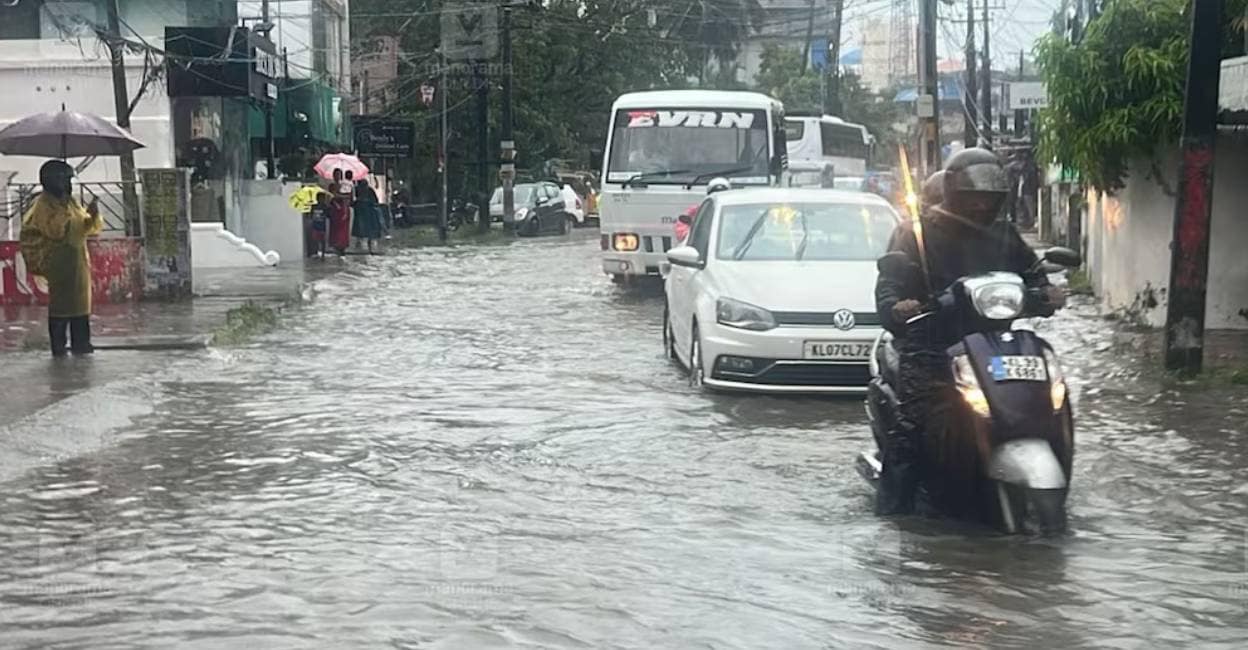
[[1019, 368], [836, 351]]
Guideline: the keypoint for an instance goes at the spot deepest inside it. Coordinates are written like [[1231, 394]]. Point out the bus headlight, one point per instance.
[[968, 385], [626, 242]]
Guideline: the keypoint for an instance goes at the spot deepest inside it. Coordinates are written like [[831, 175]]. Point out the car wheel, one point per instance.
[[669, 341], [568, 224], [696, 372]]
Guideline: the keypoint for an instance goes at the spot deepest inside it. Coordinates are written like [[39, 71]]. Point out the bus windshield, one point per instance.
[[693, 142]]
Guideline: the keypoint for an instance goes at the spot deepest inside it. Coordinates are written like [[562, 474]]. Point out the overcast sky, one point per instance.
[[1016, 24]]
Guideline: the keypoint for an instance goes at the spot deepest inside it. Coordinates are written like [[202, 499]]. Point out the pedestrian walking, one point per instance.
[[319, 217], [54, 244], [367, 224], [340, 215]]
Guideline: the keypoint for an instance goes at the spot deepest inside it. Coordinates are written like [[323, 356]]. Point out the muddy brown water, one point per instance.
[[484, 448]]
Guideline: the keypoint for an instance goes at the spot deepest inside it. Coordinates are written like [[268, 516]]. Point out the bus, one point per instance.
[[663, 147], [827, 139]]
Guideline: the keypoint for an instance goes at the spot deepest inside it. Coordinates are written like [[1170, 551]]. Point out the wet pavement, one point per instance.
[[484, 447]]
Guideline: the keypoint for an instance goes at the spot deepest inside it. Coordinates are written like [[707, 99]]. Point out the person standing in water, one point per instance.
[[54, 243], [367, 223]]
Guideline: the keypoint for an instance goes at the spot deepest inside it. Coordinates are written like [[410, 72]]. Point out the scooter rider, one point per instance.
[[962, 235]]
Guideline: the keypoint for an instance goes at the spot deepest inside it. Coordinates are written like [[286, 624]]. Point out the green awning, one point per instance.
[[304, 107]]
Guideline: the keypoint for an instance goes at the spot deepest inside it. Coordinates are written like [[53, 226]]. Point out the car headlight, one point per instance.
[[1057, 380], [735, 313], [968, 385], [521, 214], [626, 242], [999, 300]]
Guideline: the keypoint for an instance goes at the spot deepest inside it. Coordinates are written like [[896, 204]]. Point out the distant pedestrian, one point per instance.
[[319, 216], [54, 244], [340, 223], [367, 224]]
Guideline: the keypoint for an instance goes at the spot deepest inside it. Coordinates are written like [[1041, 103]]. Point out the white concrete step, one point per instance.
[[214, 247]]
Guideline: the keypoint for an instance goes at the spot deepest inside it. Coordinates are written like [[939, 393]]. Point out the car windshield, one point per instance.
[[805, 179], [691, 142], [852, 183], [805, 231], [522, 195]]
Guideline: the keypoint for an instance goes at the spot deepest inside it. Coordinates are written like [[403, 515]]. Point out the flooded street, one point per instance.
[[485, 448]]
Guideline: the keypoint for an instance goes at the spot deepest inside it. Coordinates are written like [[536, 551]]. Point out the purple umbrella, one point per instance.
[[65, 134]]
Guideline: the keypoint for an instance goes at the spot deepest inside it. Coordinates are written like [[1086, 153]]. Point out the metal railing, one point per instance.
[[111, 197]]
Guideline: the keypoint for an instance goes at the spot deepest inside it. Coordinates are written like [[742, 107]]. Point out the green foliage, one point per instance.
[[244, 323], [1118, 94], [781, 76]]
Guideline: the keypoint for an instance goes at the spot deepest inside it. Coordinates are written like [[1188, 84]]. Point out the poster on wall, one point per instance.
[[167, 232]]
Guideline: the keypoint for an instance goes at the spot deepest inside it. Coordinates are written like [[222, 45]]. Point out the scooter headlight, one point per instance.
[[999, 300], [968, 385], [1057, 380]]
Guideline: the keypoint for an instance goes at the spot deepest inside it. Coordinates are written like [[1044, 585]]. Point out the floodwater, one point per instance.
[[485, 448]]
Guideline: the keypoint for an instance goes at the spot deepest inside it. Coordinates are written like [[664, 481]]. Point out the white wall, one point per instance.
[[1129, 241], [271, 224], [40, 75]]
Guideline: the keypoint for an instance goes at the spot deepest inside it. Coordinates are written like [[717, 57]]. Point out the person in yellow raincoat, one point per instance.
[[54, 235]]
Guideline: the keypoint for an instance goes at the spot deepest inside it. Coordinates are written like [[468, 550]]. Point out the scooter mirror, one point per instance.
[[1063, 257]]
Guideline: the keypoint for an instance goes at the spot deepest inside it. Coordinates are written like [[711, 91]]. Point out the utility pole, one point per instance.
[[971, 128], [121, 100], [810, 33], [1189, 260], [270, 159], [443, 91], [481, 83], [508, 148], [985, 103], [928, 104], [1020, 115], [832, 94], [364, 92]]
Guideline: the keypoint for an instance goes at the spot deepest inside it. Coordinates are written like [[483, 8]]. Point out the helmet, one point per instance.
[[975, 184], [718, 184], [933, 191]]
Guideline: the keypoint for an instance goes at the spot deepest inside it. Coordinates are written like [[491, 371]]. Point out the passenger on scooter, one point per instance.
[[962, 235]]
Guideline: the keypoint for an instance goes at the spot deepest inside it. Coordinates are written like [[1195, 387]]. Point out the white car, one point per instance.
[[774, 290]]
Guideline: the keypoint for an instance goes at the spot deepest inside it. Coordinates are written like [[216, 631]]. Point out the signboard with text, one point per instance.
[[375, 136], [469, 30], [1027, 95], [167, 232]]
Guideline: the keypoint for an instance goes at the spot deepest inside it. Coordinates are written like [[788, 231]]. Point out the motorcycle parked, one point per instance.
[[1002, 451]]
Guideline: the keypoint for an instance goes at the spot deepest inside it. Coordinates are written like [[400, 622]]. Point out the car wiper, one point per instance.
[[749, 236], [801, 247], [637, 177], [721, 172]]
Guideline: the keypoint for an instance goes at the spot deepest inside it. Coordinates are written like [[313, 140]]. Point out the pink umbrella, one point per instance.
[[344, 161]]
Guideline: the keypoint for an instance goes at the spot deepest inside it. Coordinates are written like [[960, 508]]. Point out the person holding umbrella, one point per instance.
[[54, 242]]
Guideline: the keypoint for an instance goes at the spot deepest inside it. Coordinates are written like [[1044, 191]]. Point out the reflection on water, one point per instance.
[[483, 448]]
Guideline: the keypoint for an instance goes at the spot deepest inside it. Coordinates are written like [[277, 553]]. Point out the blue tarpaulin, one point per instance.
[[950, 89]]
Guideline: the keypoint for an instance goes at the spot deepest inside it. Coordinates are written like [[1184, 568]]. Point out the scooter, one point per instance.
[[1005, 450]]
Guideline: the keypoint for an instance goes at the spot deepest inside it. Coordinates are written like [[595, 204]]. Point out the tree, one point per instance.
[[1118, 94], [781, 75], [713, 28]]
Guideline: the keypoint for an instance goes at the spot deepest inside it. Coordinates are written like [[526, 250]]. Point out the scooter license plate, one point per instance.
[[1019, 368]]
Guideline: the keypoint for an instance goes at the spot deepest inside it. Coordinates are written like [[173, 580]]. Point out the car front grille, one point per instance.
[[815, 374], [824, 318], [796, 373]]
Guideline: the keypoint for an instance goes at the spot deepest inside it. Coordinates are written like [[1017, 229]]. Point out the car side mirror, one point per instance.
[[686, 256], [541, 200], [1064, 257]]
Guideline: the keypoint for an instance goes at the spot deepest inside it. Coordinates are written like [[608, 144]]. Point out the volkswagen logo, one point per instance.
[[843, 319]]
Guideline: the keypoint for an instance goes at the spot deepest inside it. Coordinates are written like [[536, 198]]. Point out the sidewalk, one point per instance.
[[154, 334]]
